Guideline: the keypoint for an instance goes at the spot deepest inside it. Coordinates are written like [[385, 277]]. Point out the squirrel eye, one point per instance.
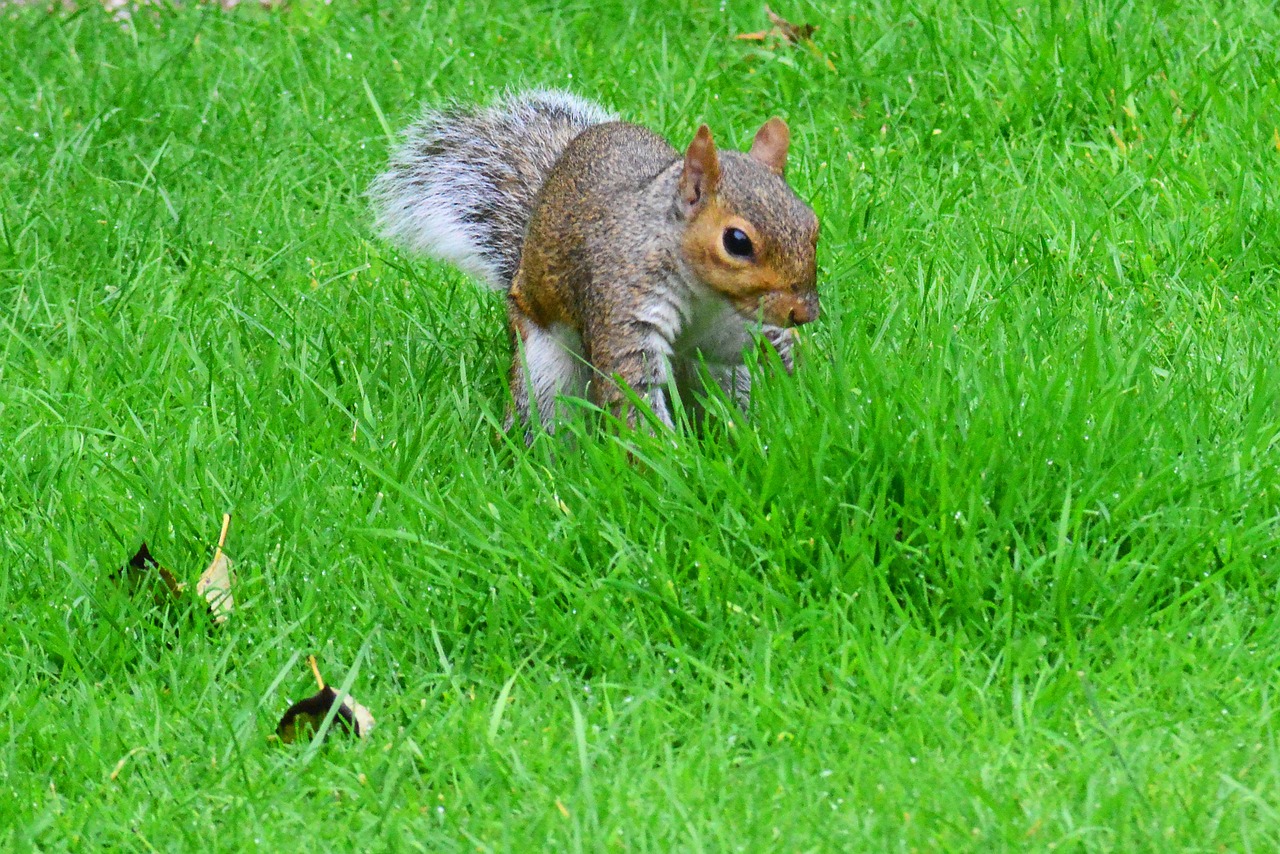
[[737, 243]]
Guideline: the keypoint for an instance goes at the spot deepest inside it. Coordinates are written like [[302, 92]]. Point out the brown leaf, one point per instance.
[[783, 32], [305, 716], [216, 582], [791, 32], [143, 570]]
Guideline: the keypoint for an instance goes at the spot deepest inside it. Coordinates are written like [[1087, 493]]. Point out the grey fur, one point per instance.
[[462, 185]]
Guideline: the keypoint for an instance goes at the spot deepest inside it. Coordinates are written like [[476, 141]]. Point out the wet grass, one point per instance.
[[996, 569]]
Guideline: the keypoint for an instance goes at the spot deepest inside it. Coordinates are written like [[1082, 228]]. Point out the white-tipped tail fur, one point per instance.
[[461, 186]]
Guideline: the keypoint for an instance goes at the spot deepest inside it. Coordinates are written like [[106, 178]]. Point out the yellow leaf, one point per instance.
[[216, 582]]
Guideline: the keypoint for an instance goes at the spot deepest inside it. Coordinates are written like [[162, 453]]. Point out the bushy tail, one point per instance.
[[462, 185]]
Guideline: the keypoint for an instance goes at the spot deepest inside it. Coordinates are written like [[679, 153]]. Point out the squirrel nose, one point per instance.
[[805, 310]]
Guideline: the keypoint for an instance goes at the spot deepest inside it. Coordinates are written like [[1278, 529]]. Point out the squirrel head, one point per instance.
[[747, 235]]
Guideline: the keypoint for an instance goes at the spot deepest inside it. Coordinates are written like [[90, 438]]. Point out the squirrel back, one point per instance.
[[463, 184]]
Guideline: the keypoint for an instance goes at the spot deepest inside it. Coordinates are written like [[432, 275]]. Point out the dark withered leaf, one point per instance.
[[142, 560], [143, 569], [304, 717]]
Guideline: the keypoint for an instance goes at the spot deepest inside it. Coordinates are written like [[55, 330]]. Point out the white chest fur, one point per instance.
[[713, 331]]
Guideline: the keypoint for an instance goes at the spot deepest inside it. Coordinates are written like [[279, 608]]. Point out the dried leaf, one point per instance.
[[142, 570], [215, 586], [216, 582], [304, 717], [785, 32], [791, 32]]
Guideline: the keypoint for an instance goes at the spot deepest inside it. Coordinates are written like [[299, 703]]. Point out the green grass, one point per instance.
[[995, 570]]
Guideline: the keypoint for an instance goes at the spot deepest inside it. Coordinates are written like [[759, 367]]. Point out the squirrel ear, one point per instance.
[[701, 173], [770, 145]]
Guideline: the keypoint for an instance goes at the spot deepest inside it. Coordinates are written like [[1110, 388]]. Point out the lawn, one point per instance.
[[996, 569]]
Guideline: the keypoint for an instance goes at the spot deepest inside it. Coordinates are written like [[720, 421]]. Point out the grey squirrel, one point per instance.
[[624, 262]]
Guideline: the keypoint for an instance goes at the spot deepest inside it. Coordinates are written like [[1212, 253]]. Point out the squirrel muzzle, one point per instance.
[[785, 308], [805, 309]]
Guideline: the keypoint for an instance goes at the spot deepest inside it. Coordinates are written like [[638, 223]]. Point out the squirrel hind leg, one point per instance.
[[547, 363]]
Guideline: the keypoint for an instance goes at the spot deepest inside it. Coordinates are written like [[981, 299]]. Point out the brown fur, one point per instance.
[[626, 249]]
